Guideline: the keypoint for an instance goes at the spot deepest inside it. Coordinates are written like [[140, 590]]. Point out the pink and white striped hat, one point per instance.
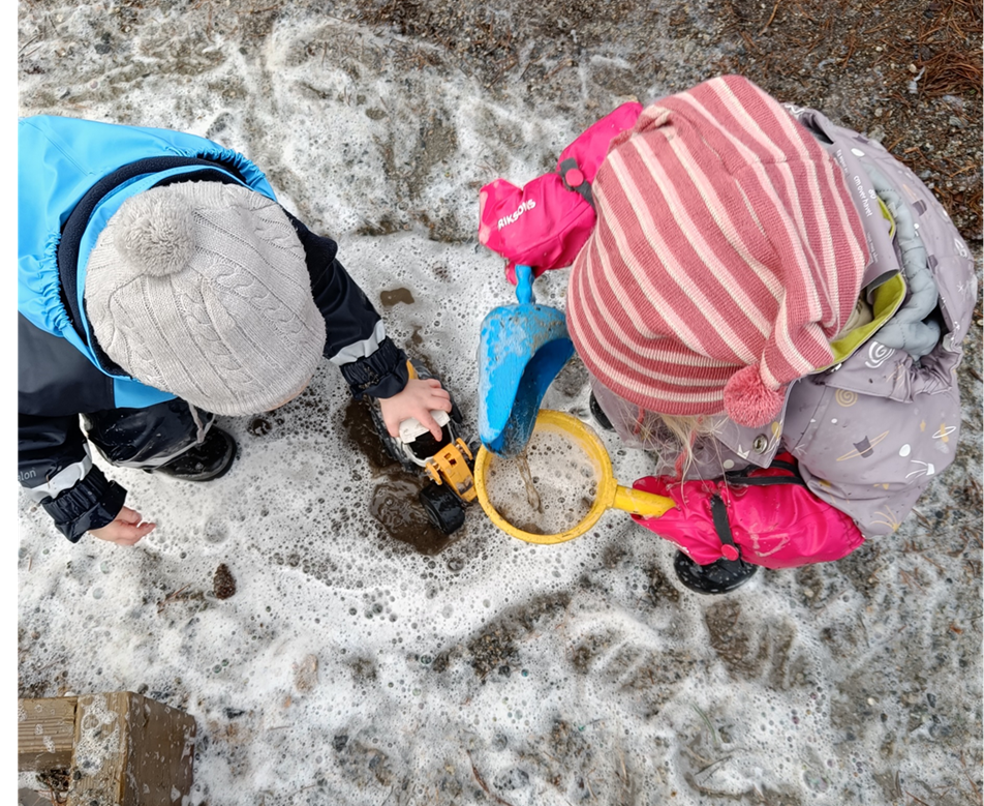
[[727, 254]]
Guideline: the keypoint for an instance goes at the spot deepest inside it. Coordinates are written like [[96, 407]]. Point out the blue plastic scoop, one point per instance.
[[521, 349]]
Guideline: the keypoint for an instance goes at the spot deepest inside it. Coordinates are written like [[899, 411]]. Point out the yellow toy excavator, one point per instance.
[[447, 462]]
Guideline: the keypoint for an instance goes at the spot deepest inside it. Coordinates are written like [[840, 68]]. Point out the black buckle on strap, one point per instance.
[[719, 515], [569, 168]]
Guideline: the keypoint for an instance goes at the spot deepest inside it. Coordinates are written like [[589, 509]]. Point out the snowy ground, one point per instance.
[[361, 660]]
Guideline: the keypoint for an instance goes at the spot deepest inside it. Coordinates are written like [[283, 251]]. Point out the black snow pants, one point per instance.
[[150, 437]]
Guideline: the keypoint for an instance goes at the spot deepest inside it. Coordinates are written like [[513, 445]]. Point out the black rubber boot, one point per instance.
[[722, 576], [204, 462], [600, 417]]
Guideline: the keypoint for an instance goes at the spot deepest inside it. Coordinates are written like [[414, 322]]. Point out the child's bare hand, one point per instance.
[[125, 530], [418, 399]]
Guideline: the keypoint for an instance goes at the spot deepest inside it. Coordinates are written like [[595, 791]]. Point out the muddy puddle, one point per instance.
[[394, 504], [395, 296], [396, 508], [362, 434]]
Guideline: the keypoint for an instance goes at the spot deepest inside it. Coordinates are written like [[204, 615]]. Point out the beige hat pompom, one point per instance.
[[156, 233]]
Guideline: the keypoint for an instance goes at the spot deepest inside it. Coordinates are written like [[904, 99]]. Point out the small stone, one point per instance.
[[223, 583], [306, 673], [913, 69]]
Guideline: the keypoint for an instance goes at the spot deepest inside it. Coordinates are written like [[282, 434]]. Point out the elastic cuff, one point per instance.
[[91, 504], [382, 374]]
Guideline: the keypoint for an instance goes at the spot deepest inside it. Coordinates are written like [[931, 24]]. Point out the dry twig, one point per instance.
[[485, 786], [772, 16], [170, 598], [977, 792]]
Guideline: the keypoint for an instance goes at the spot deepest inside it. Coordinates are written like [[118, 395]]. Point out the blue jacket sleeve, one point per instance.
[[356, 338]]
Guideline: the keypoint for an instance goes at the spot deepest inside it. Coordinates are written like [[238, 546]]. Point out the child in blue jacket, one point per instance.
[[160, 284]]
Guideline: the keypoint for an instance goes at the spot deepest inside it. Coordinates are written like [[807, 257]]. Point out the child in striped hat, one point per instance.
[[782, 301]]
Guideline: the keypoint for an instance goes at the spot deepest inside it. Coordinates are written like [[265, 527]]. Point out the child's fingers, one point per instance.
[[146, 528], [125, 534], [425, 419], [132, 534], [129, 516], [442, 403], [437, 391], [436, 388]]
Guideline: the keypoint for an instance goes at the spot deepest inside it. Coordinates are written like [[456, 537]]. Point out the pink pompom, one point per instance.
[[748, 401]]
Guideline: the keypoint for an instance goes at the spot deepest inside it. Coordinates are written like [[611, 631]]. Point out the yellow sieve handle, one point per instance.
[[639, 502]]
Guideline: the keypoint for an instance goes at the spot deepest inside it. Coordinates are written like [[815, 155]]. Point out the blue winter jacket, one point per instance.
[[72, 176]]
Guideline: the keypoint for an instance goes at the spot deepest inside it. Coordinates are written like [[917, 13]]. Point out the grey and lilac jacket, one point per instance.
[[870, 432], [72, 175]]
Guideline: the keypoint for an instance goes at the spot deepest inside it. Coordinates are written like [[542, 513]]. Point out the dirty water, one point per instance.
[[532, 494], [395, 296], [548, 489], [394, 504]]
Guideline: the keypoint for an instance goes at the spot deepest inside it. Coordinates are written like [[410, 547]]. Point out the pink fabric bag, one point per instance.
[[545, 223]]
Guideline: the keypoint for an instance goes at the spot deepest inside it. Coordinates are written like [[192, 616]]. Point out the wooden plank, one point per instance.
[[99, 760], [162, 748], [130, 751], [45, 733]]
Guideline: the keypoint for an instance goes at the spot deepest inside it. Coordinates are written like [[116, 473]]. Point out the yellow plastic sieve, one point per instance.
[[611, 495]]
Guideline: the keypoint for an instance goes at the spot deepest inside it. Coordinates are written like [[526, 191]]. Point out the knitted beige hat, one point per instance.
[[201, 289]]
